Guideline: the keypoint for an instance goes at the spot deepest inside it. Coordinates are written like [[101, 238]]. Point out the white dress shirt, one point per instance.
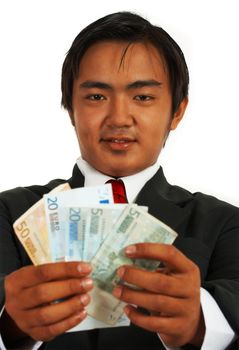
[[218, 334]]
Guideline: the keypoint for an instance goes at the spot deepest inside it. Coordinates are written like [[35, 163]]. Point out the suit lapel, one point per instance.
[[77, 179], [165, 202]]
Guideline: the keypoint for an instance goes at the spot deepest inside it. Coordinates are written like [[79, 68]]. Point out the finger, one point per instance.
[[168, 254], [51, 291], [29, 276], [54, 313], [47, 333], [152, 302], [165, 325], [155, 282], [171, 329]]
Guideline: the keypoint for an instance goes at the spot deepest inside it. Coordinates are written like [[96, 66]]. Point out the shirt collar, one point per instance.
[[133, 183]]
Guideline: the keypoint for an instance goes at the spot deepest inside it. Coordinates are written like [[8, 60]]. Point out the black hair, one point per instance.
[[127, 27]]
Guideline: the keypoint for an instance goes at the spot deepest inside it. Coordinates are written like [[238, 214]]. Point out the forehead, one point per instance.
[[122, 60]]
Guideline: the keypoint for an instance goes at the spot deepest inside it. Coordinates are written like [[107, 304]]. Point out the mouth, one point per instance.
[[118, 143]]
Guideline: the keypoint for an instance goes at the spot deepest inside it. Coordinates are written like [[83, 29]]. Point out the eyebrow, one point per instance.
[[89, 84], [143, 83]]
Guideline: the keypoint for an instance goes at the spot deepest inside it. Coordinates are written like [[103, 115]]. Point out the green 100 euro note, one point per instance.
[[133, 226]]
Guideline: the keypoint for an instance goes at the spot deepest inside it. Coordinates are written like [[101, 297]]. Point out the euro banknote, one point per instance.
[[31, 230], [84, 224], [87, 227], [133, 226], [55, 219]]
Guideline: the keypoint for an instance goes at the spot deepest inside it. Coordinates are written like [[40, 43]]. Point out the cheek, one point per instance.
[[86, 128], [155, 131], [155, 136]]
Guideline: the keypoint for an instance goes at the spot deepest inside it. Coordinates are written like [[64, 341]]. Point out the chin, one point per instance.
[[119, 167], [114, 172], [122, 171]]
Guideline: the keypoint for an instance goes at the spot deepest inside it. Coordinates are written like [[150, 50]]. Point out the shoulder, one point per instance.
[[15, 202], [199, 201], [198, 207], [206, 203], [203, 204], [208, 218]]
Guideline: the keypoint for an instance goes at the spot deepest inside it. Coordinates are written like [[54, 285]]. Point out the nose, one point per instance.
[[119, 112]]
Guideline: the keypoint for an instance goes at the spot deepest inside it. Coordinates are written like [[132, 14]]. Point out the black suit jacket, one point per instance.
[[208, 233]]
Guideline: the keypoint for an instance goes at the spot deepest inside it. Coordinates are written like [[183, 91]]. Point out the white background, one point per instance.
[[37, 141]]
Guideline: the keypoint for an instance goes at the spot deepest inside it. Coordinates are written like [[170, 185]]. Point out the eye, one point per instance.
[[95, 97], [143, 98]]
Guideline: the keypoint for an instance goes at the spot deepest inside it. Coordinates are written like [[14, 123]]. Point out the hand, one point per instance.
[[33, 294], [170, 294]]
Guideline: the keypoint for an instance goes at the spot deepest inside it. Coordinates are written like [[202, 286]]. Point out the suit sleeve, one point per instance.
[[10, 256], [222, 280]]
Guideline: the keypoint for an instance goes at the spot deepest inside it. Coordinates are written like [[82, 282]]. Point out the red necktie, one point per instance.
[[119, 192]]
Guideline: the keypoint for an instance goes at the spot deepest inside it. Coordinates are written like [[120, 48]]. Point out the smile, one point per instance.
[[119, 140], [118, 143]]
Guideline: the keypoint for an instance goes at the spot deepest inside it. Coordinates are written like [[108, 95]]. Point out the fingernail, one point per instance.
[[120, 272], [84, 268], [117, 291], [130, 250], [87, 283], [126, 310], [81, 315], [85, 299]]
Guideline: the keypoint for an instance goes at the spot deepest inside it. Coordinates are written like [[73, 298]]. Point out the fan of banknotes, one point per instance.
[[85, 224]]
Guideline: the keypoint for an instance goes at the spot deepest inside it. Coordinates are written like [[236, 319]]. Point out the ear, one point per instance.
[[178, 115], [71, 115]]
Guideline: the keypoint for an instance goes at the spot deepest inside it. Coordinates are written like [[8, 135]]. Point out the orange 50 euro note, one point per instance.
[[31, 230]]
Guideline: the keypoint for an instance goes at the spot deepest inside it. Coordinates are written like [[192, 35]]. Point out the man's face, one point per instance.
[[121, 107]]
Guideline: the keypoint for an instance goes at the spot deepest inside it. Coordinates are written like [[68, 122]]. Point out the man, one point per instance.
[[125, 87]]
